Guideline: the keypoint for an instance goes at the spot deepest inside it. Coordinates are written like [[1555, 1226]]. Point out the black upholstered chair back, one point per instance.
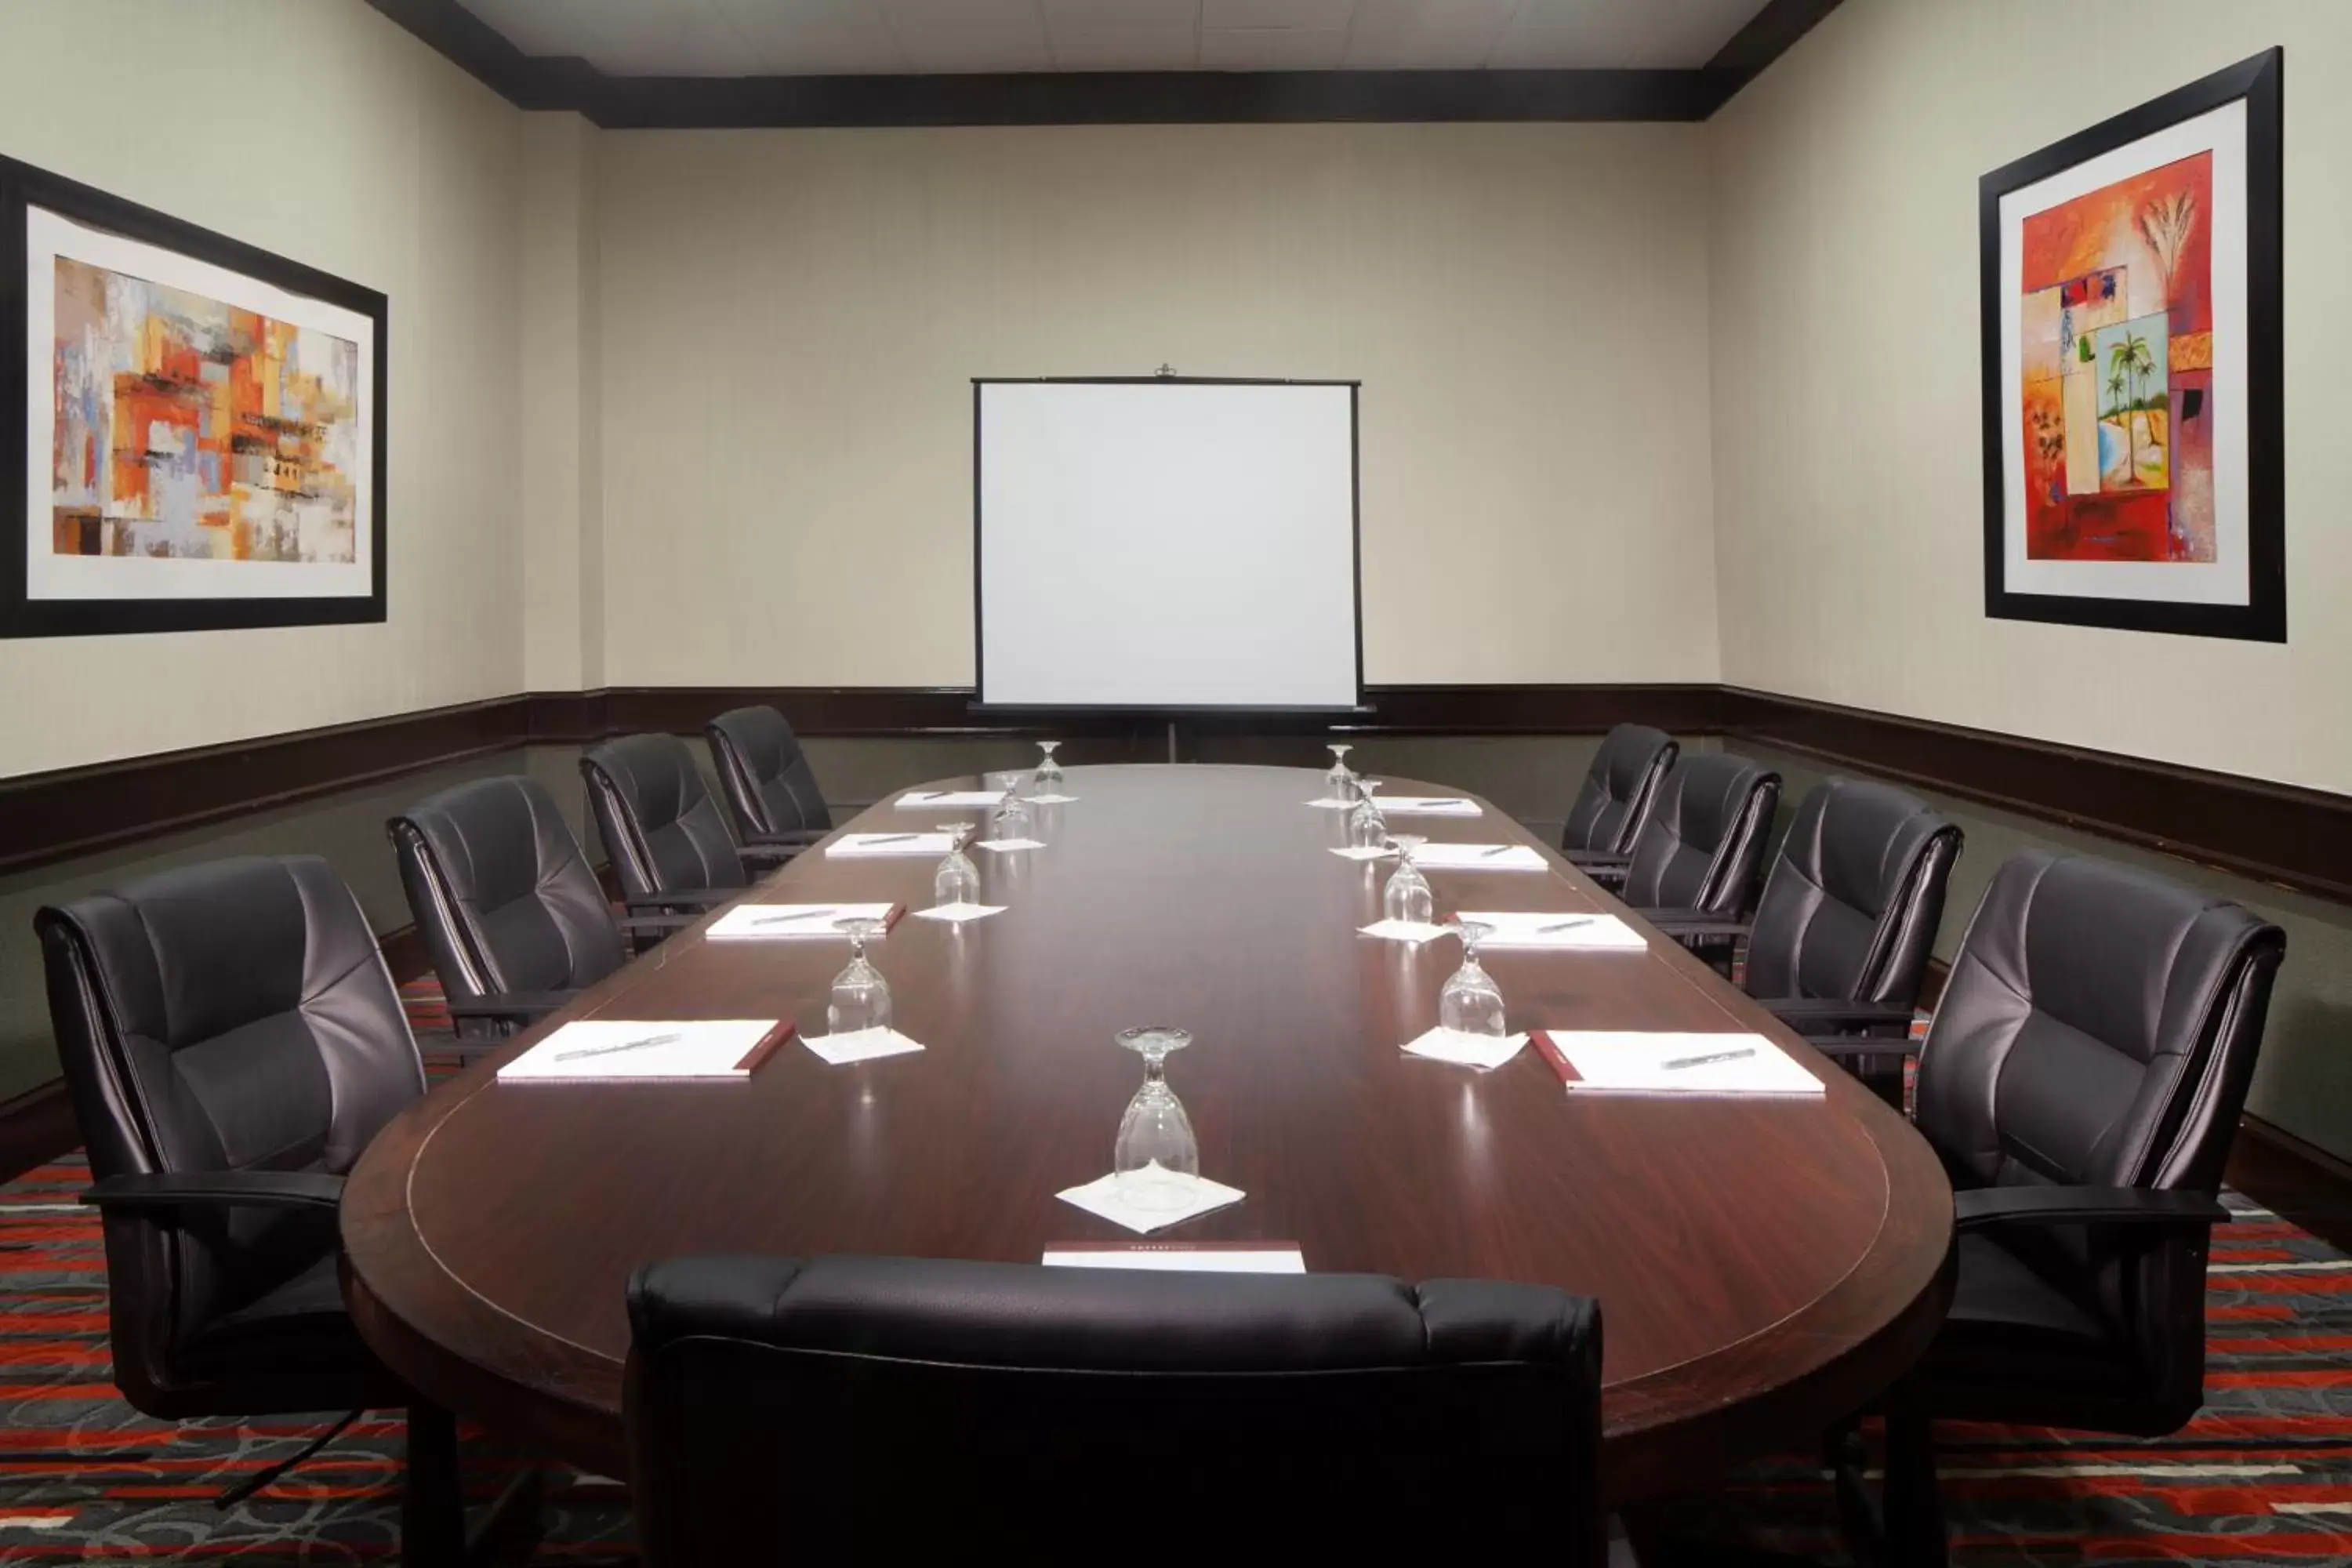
[[1024, 1397], [661, 827], [228, 1016], [1619, 790], [1704, 844], [1851, 907], [502, 891], [769, 783]]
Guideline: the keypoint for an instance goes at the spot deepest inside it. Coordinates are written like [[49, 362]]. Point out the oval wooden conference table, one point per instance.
[[1763, 1267]]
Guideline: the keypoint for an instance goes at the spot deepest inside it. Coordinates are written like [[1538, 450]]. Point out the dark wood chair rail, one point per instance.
[[1764, 1266]]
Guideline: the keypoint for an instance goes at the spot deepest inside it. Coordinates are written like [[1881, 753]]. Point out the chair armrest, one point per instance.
[[1594, 859], [1690, 925], [217, 1189], [1809, 1014], [521, 1006], [650, 925], [1983, 1208], [682, 898], [760, 852], [1841, 1048], [792, 839]]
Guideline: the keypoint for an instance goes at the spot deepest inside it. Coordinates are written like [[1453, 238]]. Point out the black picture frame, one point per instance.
[[23, 186], [2263, 619], [980, 705]]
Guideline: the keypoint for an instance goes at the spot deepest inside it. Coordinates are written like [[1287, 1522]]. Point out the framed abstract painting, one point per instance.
[[204, 425], [2133, 458]]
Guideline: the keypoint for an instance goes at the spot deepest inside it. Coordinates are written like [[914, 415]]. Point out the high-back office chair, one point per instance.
[[1703, 847], [231, 1042], [767, 779], [1103, 1404], [1619, 790], [514, 919], [2082, 1081], [1850, 911], [670, 848]]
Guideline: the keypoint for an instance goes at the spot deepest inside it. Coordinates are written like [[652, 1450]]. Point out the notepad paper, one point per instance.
[[1176, 1257], [1629, 1062], [583, 1051], [1483, 1051], [1107, 1198], [874, 845], [783, 922], [1478, 857], [959, 914], [1428, 805], [1554, 929], [1007, 845], [860, 1046], [1414, 932], [949, 799]]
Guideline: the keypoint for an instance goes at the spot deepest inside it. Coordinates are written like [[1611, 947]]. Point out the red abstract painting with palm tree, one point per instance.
[[2117, 323]]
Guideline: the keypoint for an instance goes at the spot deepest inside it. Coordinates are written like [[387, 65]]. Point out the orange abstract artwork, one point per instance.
[[2116, 323], [190, 429]]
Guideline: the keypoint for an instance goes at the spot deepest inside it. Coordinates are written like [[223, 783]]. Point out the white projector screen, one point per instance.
[[1167, 543]]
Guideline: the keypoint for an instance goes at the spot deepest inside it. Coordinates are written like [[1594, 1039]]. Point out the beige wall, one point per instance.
[[1846, 394], [562, 590], [325, 133], [792, 319]]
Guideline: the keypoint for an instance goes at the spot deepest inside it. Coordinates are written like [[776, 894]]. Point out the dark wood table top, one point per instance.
[[1763, 1267]]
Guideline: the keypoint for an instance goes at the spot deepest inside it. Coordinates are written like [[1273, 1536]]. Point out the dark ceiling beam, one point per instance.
[[1121, 98]]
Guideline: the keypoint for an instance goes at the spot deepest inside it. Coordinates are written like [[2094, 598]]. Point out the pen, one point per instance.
[[1498, 850], [1681, 1062], [890, 839], [1567, 925], [623, 1046], [801, 915]]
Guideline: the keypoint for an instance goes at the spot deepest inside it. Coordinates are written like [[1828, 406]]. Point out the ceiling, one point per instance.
[[891, 37]]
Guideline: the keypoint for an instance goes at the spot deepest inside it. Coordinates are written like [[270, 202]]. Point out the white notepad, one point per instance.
[[784, 922], [1632, 1062], [949, 799], [1428, 805], [1176, 1257], [1477, 858], [1564, 930], [703, 1048], [875, 845]]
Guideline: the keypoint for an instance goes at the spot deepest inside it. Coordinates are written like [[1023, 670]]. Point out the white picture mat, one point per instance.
[[48, 575], [2227, 580], [1184, 544]]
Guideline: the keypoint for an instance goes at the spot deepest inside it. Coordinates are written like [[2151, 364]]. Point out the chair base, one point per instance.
[[1903, 1527], [433, 1525], [271, 1476]]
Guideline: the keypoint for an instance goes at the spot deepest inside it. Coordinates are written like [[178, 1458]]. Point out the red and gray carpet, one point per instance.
[[2264, 1475]]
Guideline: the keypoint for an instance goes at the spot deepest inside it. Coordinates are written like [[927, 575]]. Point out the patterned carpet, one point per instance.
[[2264, 1475]]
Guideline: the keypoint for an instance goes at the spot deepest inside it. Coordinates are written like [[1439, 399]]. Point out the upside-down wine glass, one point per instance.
[[1047, 779], [861, 997], [1338, 782], [1157, 1160], [957, 881], [1010, 820], [1367, 829], [1408, 896], [1471, 1004]]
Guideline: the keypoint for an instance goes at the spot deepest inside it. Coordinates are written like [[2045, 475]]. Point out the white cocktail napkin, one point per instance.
[[861, 1045], [1006, 846], [1414, 932], [958, 914], [1352, 853], [1107, 1197], [1482, 1051]]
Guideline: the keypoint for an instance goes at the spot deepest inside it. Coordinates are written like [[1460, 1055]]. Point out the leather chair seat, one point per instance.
[[2006, 1314], [298, 1328]]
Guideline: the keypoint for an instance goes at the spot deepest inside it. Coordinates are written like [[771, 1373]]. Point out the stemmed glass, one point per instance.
[[957, 881], [1156, 1158], [1010, 820], [1471, 1004], [1408, 896], [1367, 829], [861, 997], [1338, 781], [1047, 780]]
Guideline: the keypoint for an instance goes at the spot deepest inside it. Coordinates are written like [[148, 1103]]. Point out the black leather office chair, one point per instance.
[[1841, 938], [1703, 847], [2082, 1081], [1103, 1405], [669, 844], [514, 919], [1618, 793], [770, 786], [232, 1041]]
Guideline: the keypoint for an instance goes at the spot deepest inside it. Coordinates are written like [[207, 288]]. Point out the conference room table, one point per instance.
[[1764, 1266]]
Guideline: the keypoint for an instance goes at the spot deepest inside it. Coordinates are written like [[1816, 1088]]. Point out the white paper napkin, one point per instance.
[[784, 922], [1051, 799], [947, 799], [1477, 858], [1414, 932], [1006, 846], [1329, 804], [1484, 1051], [1352, 853], [1556, 931], [958, 914], [860, 1044], [1176, 1257], [871, 845], [1107, 1198], [1428, 805]]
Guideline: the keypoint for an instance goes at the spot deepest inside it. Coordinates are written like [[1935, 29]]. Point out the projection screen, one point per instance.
[[1166, 543]]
